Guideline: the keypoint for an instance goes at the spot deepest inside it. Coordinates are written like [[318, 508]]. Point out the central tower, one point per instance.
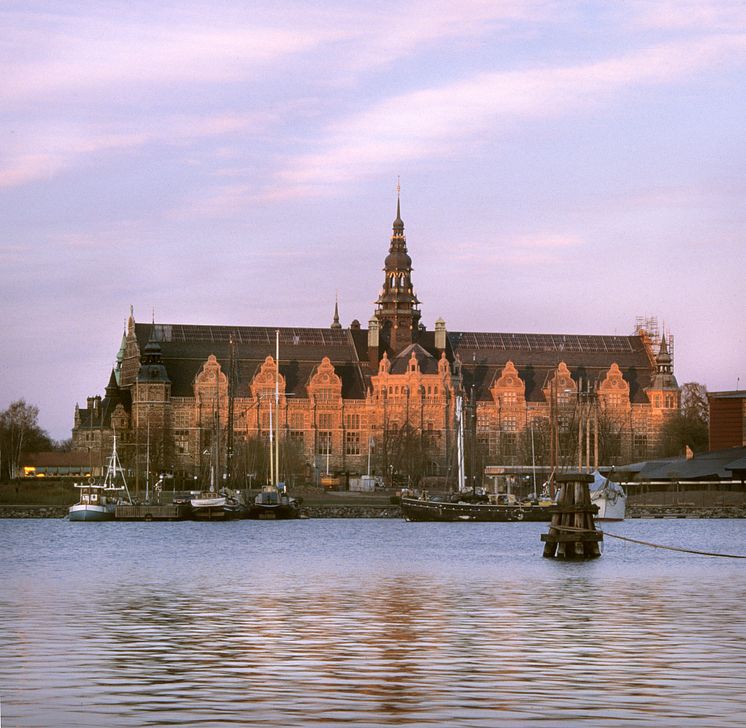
[[397, 308]]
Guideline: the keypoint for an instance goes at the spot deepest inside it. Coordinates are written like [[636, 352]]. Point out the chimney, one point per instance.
[[440, 334], [373, 333]]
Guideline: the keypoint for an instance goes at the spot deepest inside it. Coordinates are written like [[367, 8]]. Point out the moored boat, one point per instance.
[[273, 503], [609, 497], [98, 501], [472, 504], [212, 506], [458, 508]]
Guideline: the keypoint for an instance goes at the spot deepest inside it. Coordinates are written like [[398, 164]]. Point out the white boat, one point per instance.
[[609, 497], [98, 501], [211, 505]]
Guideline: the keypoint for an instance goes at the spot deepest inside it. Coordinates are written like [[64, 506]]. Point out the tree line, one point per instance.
[[19, 433], [404, 450]]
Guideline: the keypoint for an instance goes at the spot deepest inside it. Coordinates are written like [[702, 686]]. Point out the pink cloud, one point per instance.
[[63, 145], [441, 120]]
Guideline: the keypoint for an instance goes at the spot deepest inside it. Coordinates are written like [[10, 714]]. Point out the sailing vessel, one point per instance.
[[98, 501], [473, 504], [211, 505], [609, 497], [273, 503]]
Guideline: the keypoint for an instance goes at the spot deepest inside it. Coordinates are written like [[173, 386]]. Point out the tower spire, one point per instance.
[[335, 323], [397, 308], [398, 224]]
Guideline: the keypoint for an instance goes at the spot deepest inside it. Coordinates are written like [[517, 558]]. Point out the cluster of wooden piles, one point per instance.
[[572, 532]]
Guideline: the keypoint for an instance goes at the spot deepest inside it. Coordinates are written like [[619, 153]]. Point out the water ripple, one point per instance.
[[364, 623]]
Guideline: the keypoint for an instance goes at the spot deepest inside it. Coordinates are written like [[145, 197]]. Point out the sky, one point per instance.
[[565, 167]]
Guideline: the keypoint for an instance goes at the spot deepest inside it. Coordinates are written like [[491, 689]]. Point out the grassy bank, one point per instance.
[[48, 492], [38, 492]]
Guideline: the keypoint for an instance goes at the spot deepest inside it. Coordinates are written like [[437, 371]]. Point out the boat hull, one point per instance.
[[422, 510], [87, 512], [610, 509], [281, 512], [215, 513]]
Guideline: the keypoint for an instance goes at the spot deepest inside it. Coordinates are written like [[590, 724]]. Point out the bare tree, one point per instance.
[[19, 432], [690, 426]]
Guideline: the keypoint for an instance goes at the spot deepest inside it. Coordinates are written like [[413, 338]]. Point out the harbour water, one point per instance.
[[367, 622]]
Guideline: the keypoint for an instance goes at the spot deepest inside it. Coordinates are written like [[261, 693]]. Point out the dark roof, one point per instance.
[[536, 356], [703, 466], [60, 459], [185, 348], [426, 361], [739, 464], [95, 419], [734, 394]]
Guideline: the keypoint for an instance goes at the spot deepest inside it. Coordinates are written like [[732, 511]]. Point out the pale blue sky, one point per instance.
[[565, 168]]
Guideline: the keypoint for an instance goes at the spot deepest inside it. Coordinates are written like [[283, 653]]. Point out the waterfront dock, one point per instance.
[[151, 512]]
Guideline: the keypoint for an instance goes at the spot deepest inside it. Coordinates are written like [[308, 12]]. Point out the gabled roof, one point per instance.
[[425, 360], [483, 355], [185, 348], [536, 356]]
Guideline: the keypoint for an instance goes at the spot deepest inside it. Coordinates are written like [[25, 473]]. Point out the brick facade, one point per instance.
[[386, 394]]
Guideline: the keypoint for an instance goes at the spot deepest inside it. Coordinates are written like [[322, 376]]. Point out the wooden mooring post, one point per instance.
[[572, 532]]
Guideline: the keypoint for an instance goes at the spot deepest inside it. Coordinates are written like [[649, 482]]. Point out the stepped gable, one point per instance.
[[483, 355], [185, 348]]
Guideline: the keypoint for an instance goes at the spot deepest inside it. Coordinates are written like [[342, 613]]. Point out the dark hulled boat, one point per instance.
[[459, 508], [273, 504]]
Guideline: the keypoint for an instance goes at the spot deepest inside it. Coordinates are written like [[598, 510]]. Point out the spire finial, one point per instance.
[[398, 224], [335, 323], [153, 321]]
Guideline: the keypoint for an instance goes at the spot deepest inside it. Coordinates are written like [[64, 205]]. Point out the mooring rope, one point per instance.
[[648, 543]]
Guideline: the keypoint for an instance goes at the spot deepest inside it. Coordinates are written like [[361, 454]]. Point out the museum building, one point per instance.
[[350, 397]]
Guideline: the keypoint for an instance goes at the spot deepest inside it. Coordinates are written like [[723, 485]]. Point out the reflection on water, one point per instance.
[[365, 622]]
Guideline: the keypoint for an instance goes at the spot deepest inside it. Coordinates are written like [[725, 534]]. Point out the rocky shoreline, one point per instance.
[[648, 511], [392, 511]]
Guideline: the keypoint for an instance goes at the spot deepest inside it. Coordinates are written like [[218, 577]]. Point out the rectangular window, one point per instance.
[[325, 421], [509, 444], [352, 442], [353, 422], [324, 443], [297, 421], [324, 395]]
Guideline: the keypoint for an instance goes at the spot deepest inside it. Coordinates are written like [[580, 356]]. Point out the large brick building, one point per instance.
[[385, 395]]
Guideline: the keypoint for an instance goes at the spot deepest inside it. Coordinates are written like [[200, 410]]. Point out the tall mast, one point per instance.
[[216, 425], [271, 447], [147, 464], [231, 397], [277, 407], [460, 442]]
